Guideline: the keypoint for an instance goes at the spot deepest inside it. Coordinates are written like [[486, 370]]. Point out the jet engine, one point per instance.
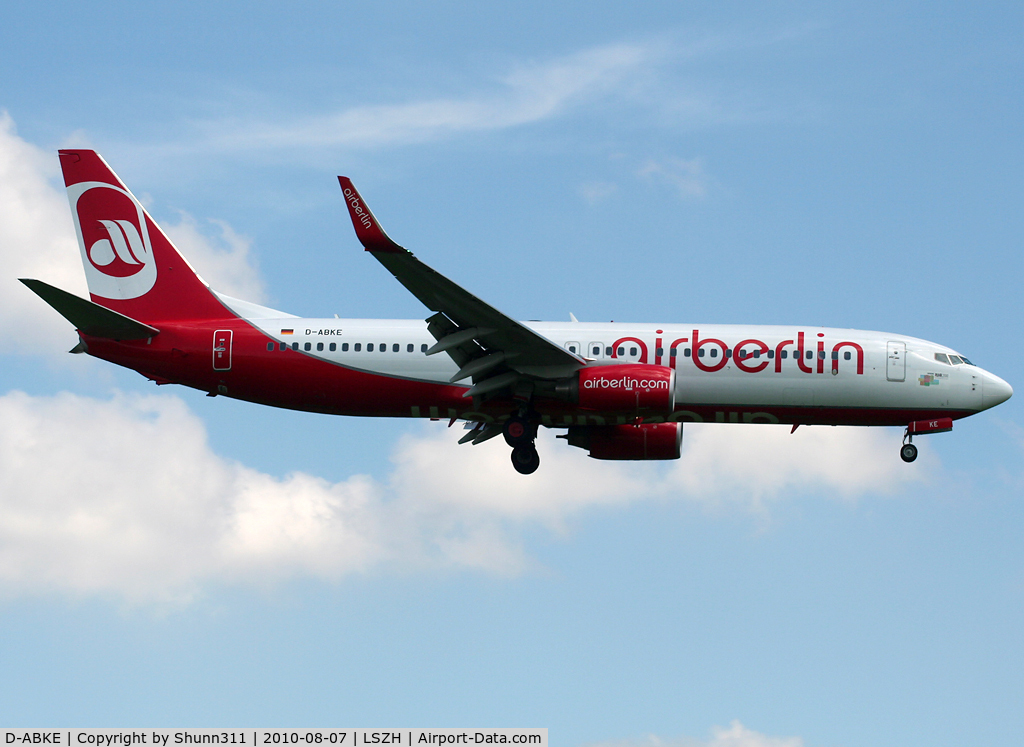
[[631, 389], [636, 442]]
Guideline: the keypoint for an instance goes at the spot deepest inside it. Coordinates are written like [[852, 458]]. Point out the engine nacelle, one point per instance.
[[629, 388], [636, 442]]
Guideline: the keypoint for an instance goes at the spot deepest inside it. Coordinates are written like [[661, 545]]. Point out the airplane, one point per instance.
[[619, 391]]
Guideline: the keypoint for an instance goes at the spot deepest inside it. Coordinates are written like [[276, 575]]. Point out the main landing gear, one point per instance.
[[520, 433]]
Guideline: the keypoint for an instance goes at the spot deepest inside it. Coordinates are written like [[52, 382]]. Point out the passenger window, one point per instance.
[[383, 347], [784, 354], [672, 353], [423, 348], [771, 354], [410, 347], [847, 355], [757, 353], [572, 348], [659, 352], [270, 346], [835, 355], [821, 354], [369, 347], [283, 346], [632, 351], [700, 353], [333, 346], [728, 353], [357, 347], [608, 352], [714, 352], [686, 352], [319, 346], [395, 348], [622, 352], [810, 354], [295, 346], [307, 346]]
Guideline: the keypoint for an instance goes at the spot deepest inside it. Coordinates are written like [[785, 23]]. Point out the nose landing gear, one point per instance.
[[908, 452]]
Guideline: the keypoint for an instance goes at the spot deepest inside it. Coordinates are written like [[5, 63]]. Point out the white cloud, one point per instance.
[[596, 192], [126, 497], [37, 240], [687, 177], [755, 465], [529, 94], [638, 74], [737, 735], [221, 257]]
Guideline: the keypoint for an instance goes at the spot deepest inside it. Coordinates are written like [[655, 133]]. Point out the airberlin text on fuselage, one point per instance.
[[750, 355]]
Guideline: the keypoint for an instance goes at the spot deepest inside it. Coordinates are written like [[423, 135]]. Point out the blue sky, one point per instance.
[[171, 559]]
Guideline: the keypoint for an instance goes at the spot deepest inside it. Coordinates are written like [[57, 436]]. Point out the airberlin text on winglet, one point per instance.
[[357, 207]]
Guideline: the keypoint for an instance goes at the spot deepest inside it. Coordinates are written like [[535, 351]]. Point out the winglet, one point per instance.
[[368, 229]]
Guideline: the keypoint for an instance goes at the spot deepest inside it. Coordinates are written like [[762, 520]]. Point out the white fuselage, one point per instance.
[[742, 366]]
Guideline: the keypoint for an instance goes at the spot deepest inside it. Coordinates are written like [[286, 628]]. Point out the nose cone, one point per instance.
[[994, 391]]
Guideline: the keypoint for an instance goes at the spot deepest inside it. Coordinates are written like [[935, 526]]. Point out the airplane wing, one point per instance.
[[495, 350]]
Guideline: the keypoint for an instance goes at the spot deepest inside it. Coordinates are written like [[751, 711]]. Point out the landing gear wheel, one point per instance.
[[908, 453], [518, 431], [525, 459]]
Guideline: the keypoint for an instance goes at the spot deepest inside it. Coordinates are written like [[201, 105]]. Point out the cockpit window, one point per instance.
[[942, 358], [956, 360]]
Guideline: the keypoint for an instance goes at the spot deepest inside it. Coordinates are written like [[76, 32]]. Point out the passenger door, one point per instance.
[[222, 350], [895, 361]]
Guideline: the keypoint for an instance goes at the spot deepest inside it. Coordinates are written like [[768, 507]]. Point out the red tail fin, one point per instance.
[[130, 265]]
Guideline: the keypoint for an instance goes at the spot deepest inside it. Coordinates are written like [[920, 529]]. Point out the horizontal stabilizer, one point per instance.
[[88, 317]]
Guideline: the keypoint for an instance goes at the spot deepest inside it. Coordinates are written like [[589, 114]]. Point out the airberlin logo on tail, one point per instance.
[[361, 214], [124, 243], [114, 238]]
